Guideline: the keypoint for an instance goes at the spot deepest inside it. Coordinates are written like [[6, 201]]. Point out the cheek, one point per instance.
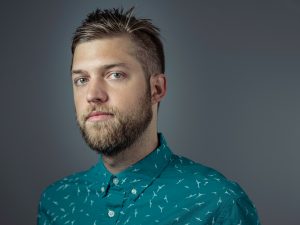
[[78, 103], [128, 98]]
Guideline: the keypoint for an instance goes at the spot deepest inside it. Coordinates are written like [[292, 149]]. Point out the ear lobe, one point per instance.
[[158, 87]]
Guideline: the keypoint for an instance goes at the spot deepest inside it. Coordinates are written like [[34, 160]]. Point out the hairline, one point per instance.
[[131, 38]]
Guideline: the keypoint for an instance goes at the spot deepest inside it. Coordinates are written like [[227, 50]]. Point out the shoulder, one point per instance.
[[65, 186], [202, 178], [206, 187]]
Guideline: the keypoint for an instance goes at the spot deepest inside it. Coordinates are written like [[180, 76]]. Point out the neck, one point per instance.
[[145, 144]]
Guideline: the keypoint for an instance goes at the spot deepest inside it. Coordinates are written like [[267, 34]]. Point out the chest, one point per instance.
[[157, 204]]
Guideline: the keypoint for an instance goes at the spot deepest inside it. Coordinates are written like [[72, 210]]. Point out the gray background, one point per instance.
[[232, 102]]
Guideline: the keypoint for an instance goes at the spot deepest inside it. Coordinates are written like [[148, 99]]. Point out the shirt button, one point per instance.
[[102, 189], [133, 191], [116, 181], [111, 213]]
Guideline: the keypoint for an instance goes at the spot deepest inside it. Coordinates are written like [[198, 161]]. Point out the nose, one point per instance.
[[96, 92]]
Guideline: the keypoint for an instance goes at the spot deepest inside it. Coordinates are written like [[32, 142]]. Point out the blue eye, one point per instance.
[[116, 76], [80, 81]]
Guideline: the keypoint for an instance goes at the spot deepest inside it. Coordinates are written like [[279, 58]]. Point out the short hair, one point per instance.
[[116, 22]]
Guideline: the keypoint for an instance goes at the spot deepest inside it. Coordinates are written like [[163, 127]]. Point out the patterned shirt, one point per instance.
[[163, 188]]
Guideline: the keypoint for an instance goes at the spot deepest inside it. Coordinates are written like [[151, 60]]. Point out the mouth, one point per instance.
[[99, 116]]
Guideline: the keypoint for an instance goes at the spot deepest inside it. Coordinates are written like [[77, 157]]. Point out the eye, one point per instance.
[[80, 81], [116, 76]]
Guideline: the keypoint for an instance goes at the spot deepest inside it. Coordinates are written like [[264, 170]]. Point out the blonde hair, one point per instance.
[[113, 22]]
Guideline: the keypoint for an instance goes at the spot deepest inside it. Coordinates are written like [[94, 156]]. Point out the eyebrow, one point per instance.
[[104, 67]]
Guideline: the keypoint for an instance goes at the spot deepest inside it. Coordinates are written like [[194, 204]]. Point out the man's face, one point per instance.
[[111, 94]]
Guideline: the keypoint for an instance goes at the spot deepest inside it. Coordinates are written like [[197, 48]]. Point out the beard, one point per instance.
[[118, 133]]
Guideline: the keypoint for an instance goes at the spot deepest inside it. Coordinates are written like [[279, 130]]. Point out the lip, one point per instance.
[[99, 116]]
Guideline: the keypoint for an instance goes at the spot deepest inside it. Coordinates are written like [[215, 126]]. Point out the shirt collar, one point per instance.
[[138, 176]]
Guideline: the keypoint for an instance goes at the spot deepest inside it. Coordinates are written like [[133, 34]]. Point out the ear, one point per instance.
[[158, 85]]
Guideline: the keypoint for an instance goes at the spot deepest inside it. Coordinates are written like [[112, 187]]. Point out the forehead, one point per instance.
[[105, 50]]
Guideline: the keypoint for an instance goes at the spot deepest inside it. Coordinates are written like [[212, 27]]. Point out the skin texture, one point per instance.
[[108, 78]]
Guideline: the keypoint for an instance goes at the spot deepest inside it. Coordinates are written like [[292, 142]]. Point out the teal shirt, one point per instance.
[[162, 188]]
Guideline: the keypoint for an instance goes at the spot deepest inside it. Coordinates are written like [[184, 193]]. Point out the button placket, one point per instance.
[[115, 199]]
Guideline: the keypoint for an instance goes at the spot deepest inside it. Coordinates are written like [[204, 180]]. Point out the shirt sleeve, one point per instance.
[[238, 211], [42, 218]]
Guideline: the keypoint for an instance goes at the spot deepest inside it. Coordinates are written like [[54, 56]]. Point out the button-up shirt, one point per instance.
[[163, 188]]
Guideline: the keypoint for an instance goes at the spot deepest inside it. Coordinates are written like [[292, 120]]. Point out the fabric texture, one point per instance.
[[163, 188]]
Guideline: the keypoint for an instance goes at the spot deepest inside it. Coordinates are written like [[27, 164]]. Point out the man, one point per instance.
[[118, 82]]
